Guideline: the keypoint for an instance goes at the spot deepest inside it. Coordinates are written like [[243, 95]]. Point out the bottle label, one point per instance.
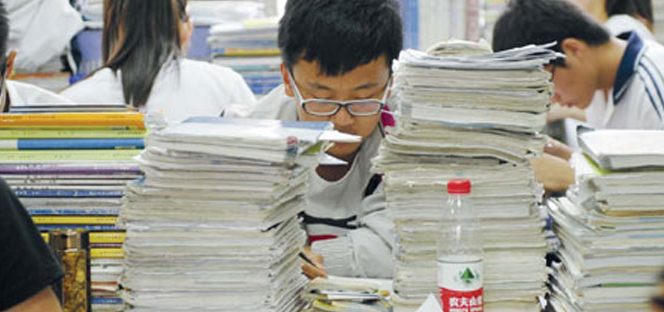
[[461, 285]]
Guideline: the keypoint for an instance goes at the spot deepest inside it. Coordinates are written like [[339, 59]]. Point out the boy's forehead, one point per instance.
[[367, 76]]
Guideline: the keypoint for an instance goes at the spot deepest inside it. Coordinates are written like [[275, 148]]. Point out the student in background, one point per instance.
[[657, 301], [27, 266], [630, 72], [144, 43], [337, 58], [623, 16], [13, 92]]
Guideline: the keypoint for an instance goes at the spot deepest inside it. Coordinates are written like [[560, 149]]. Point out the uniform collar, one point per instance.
[[628, 65]]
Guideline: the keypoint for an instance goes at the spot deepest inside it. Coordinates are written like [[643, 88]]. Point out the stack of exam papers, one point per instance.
[[611, 227], [213, 226], [473, 117]]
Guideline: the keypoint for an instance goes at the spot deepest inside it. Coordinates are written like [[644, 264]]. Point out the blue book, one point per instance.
[[107, 301], [68, 193], [69, 144], [74, 212]]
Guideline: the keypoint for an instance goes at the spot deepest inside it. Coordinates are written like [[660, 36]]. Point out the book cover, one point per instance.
[[75, 220], [73, 212], [68, 169], [71, 134], [67, 193], [67, 156], [103, 227], [71, 144], [99, 237]]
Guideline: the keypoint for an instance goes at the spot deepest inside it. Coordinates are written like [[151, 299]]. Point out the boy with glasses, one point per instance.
[[337, 57]]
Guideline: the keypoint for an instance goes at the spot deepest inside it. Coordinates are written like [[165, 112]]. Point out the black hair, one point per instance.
[[635, 8], [340, 34], [4, 32], [139, 37], [527, 22]]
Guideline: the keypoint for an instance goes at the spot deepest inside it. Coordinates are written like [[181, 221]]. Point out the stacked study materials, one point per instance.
[[70, 165], [611, 225], [475, 117], [213, 225], [658, 8], [251, 49], [338, 294]]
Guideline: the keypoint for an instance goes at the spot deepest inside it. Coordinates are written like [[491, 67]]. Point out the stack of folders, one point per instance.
[[250, 48], [70, 165], [213, 226], [474, 117], [611, 225]]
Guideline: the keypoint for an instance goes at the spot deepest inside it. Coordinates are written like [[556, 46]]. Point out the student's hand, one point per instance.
[[555, 173], [309, 270], [559, 112], [556, 148]]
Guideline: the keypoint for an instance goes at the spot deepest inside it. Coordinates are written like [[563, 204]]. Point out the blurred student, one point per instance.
[[144, 43], [337, 59], [629, 71], [621, 17]]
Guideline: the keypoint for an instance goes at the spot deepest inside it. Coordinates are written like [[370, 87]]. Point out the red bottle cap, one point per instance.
[[458, 187]]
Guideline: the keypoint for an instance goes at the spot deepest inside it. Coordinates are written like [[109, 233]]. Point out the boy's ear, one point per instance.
[[575, 48], [287, 83]]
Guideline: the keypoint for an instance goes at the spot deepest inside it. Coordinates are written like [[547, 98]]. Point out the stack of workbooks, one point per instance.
[[250, 48], [213, 225], [474, 117], [338, 294], [70, 165], [611, 225]]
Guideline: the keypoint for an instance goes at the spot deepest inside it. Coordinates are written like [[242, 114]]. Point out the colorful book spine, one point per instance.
[[73, 212], [71, 134], [55, 169], [47, 228], [71, 144], [75, 220], [68, 193], [100, 237], [246, 52], [128, 119], [107, 253], [107, 301], [67, 156]]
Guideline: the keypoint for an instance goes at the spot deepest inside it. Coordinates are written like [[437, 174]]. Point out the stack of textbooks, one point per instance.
[[611, 224], [473, 117], [213, 225], [250, 48], [70, 165]]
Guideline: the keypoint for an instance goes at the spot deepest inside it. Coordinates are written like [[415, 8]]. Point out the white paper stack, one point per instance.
[[658, 8], [611, 227], [250, 48], [474, 117], [213, 226]]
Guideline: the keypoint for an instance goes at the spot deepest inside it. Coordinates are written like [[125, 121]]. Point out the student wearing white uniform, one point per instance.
[[621, 17], [629, 71], [143, 47], [341, 73], [40, 30]]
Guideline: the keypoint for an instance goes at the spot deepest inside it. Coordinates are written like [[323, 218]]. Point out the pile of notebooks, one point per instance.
[[339, 294], [611, 224], [250, 48], [213, 225], [70, 165], [473, 117]]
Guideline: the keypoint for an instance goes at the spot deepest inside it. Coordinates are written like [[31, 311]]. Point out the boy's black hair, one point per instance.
[[527, 22], [340, 34], [4, 32], [634, 8]]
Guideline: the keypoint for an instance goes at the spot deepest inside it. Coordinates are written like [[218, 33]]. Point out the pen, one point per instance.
[[305, 258]]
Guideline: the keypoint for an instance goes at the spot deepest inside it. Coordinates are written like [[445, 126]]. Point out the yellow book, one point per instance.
[[99, 237], [75, 220], [107, 253], [247, 52], [72, 120], [71, 134], [31, 156]]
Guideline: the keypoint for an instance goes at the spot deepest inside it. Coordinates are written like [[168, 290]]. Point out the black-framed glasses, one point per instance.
[[326, 108]]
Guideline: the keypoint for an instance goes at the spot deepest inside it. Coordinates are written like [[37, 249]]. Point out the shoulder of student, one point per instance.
[[225, 78], [275, 105], [103, 86]]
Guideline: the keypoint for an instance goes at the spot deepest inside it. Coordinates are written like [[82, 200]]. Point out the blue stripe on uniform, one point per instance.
[[650, 92]]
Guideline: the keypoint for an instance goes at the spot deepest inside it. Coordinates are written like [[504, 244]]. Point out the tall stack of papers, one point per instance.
[[70, 166], [251, 49], [658, 8], [611, 225], [475, 117], [213, 226], [338, 294]]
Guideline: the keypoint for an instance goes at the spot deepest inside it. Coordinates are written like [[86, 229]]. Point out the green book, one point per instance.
[[71, 134], [67, 155]]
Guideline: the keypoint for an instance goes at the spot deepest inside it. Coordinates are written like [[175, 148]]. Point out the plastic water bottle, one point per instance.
[[460, 253]]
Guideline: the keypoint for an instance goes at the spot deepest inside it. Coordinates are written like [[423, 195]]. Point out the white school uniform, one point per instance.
[[21, 94], [636, 100], [184, 88], [40, 30]]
